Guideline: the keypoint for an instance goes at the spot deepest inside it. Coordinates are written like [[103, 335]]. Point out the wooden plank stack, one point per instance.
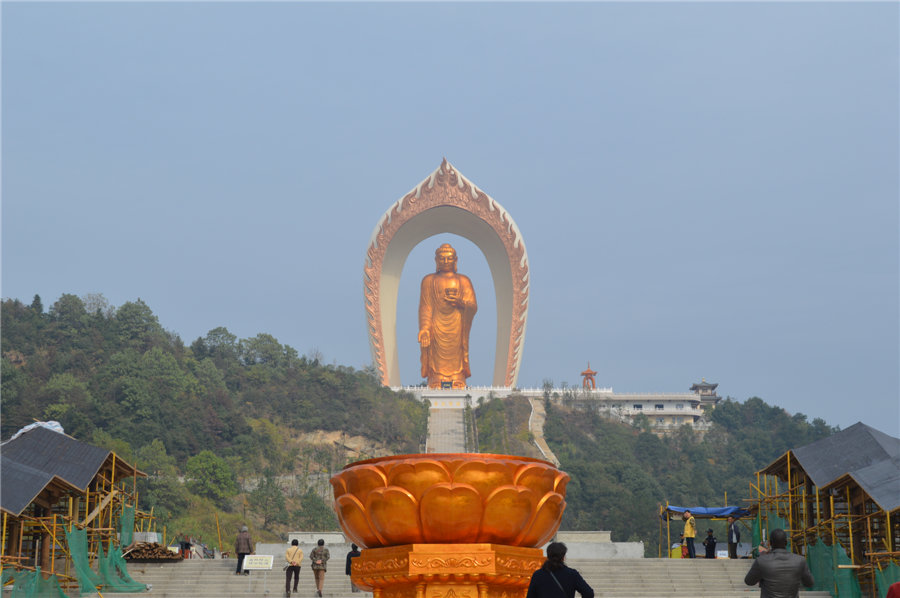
[[149, 552]]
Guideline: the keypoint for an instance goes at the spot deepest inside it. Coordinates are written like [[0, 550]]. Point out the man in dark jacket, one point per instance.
[[778, 571], [243, 545], [709, 542], [354, 552], [734, 537], [555, 579]]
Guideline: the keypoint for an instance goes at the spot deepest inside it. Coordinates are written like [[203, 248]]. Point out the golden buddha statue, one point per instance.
[[446, 308]]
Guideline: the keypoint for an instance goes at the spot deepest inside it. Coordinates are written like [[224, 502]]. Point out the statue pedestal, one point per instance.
[[446, 570]]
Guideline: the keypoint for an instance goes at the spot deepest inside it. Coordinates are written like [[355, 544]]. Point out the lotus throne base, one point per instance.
[[446, 570]]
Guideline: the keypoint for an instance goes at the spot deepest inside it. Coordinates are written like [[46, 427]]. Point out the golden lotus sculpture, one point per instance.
[[448, 523]]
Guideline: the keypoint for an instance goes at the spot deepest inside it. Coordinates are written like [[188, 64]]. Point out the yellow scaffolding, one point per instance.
[[36, 537], [840, 512]]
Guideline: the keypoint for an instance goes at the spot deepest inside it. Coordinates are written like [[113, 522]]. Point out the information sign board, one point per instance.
[[258, 562]]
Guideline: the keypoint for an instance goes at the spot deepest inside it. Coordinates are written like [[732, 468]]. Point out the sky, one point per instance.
[[706, 190]]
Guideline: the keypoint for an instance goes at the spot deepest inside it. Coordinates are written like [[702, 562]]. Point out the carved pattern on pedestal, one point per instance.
[[519, 564], [386, 566], [450, 593], [447, 187], [451, 562]]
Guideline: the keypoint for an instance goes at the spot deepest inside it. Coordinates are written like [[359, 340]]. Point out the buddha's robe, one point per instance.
[[446, 358]]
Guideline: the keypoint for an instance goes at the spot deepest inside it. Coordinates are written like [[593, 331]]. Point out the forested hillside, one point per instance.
[[239, 419], [622, 473], [249, 429]]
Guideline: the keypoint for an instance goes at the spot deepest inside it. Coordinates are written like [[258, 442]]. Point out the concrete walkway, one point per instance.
[[536, 427], [446, 431]]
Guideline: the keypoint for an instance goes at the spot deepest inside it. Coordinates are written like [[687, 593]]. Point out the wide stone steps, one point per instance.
[[215, 578], [446, 431], [664, 578], [613, 578]]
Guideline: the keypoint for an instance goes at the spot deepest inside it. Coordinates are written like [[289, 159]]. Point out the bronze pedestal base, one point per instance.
[[446, 570]]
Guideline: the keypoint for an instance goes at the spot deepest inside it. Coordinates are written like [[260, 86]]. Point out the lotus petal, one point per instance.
[[418, 477], [394, 512], [451, 513], [454, 462], [506, 513], [545, 522], [536, 476], [485, 476], [362, 479], [562, 481], [355, 523], [338, 485]]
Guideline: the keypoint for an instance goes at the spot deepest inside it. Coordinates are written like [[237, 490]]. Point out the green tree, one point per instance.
[[120, 447], [68, 308], [137, 326], [161, 490], [209, 475], [314, 513], [69, 402], [267, 500]]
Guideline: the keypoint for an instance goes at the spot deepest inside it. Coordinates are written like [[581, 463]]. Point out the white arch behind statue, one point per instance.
[[446, 202]]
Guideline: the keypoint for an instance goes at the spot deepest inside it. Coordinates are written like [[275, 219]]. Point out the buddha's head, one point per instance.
[[445, 258]]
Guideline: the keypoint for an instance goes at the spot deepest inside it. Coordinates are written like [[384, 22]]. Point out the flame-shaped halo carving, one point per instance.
[[446, 202]]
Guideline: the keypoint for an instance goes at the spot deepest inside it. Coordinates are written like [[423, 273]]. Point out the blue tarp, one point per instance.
[[708, 512]]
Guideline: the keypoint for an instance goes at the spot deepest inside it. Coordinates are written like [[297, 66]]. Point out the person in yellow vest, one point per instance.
[[294, 558], [690, 532]]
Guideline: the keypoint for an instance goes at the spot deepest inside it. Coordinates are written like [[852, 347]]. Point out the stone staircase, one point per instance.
[[614, 578], [446, 431], [215, 578], [671, 578]]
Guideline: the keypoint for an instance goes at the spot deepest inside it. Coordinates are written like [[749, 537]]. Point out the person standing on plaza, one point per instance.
[[319, 557], [709, 542], [554, 577], [778, 571], [734, 537], [294, 558], [690, 531], [354, 552], [243, 545], [185, 546]]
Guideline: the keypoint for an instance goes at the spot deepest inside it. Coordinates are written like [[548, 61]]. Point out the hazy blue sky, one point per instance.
[[704, 189]]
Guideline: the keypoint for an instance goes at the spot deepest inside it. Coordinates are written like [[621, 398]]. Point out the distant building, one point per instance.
[[665, 412]]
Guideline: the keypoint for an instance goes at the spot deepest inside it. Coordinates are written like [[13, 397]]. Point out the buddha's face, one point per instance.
[[446, 261]]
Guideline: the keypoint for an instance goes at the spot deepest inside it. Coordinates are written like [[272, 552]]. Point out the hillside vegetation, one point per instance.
[[249, 430], [253, 428], [622, 473]]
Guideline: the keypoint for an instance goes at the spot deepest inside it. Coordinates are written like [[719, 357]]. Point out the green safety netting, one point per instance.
[[115, 573], [765, 522], [823, 563], [126, 526], [6, 576], [31, 584], [885, 576], [88, 581]]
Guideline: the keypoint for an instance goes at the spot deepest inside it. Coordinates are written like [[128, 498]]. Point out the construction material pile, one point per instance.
[[150, 552]]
